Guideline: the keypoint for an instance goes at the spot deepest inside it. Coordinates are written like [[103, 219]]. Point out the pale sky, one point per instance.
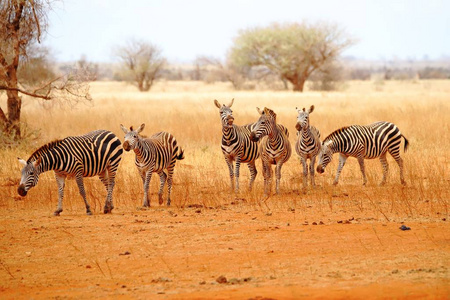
[[386, 29]]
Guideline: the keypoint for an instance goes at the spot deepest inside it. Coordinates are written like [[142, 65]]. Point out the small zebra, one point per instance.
[[363, 142], [308, 143], [156, 154], [95, 153], [236, 145], [275, 148]]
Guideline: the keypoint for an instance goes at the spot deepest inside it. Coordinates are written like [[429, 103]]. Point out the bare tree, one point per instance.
[[143, 63], [228, 70], [23, 23]]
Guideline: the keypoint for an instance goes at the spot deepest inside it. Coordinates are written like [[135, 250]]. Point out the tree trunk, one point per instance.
[[14, 105], [298, 83]]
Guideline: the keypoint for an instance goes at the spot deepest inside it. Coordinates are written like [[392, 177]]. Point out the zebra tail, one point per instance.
[[180, 155], [406, 143]]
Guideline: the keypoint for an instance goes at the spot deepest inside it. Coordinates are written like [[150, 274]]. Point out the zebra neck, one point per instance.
[[139, 150], [335, 147], [229, 134], [274, 134], [50, 160], [306, 133]]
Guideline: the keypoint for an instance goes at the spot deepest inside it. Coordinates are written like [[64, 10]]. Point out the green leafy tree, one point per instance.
[[293, 50]]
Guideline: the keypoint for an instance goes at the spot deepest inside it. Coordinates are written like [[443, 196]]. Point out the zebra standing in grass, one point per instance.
[[236, 145], [156, 154], [95, 153], [275, 148], [363, 142], [308, 143]]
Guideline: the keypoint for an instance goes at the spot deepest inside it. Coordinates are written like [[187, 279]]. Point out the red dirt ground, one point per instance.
[[179, 253]]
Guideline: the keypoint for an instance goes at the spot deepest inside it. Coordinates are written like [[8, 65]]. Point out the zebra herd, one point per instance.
[[99, 153]]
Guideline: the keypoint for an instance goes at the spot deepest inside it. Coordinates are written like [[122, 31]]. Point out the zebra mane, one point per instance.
[[43, 149], [334, 133]]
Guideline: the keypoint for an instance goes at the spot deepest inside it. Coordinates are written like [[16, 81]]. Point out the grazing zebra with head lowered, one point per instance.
[[236, 144], [363, 142], [308, 143], [95, 153], [275, 148], [156, 154]]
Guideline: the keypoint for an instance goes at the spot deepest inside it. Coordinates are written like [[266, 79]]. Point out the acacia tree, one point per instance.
[[142, 61], [23, 23], [293, 51]]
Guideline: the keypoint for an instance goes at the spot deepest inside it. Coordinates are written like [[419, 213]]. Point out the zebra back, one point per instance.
[[369, 141], [89, 154]]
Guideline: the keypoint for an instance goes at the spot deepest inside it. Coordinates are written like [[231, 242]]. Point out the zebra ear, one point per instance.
[[231, 103], [259, 111], [23, 162], [124, 129], [217, 103], [311, 109], [141, 128]]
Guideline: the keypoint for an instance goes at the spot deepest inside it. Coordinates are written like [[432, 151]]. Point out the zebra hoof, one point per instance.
[[107, 210], [89, 213], [57, 212]]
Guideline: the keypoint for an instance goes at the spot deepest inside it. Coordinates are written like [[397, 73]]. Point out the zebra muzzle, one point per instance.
[[320, 169], [21, 190], [126, 146], [298, 126], [253, 137]]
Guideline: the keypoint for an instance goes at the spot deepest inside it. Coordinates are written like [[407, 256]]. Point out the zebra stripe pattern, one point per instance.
[[156, 154], [308, 143], [236, 145], [363, 142], [95, 153], [275, 148]]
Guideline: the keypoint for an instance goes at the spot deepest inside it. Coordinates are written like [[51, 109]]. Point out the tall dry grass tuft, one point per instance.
[[186, 109]]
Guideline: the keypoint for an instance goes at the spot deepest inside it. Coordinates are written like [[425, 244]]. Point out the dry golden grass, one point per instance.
[[186, 109]]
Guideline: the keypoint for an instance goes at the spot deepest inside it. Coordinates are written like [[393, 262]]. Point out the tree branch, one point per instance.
[[45, 97]]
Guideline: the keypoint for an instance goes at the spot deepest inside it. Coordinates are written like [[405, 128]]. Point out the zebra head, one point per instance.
[[131, 137], [265, 125], [303, 118], [30, 176], [325, 156], [226, 114]]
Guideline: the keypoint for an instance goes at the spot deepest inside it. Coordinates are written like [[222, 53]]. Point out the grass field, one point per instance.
[[419, 109], [201, 194]]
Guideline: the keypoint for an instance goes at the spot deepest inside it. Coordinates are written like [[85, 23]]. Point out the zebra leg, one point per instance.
[[267, 170], [60, 180], [109, 183], [230, 169], [147, 178], [342, 160], [385, 166], [236, 174], [278, 176], [253, 172], [162, 178], [363, 170], [399, 161], [79, 180], [170, 170], [305, 171], [312, 162]]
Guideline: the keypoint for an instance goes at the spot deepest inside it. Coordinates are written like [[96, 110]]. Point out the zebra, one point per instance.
[[236, 145], [156, 154], [275, 148], [363, 142], [95, 153], [308, 143]]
